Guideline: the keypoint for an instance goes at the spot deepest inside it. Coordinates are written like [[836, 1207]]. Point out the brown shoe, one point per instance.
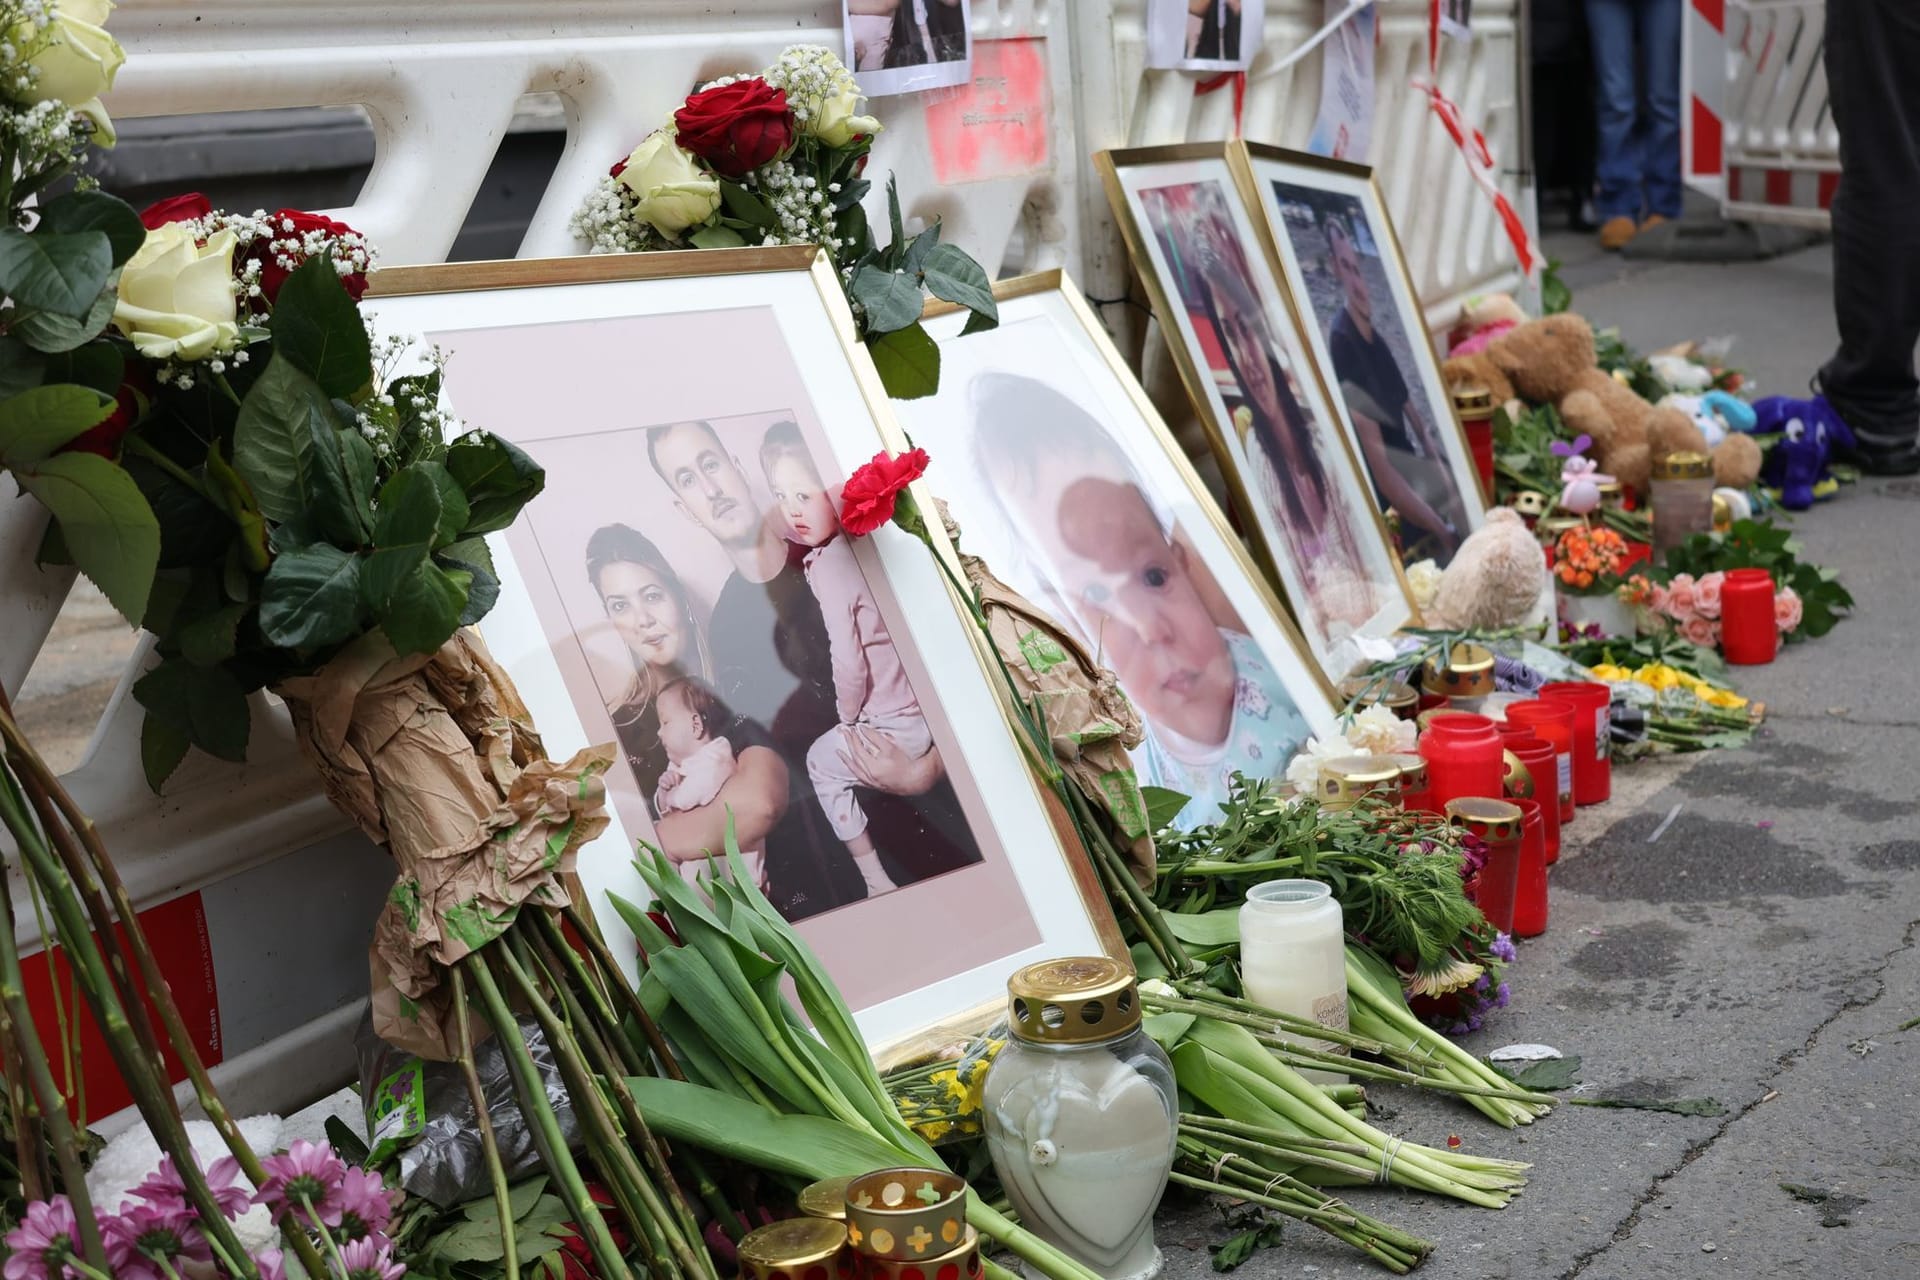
[[1615, 232], [1651, 221]]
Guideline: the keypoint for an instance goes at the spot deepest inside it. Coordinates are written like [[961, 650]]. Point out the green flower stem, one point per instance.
[[135, 444], [551, 944], [623, 991], [489, 1140], [29, 1140], [1385, 1245], [1023, 1244], [1260, 1020], [569, 1185]]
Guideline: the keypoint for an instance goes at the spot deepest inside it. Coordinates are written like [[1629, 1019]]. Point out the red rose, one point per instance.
[[619, 167], [736, 127], [130, 403], [175, 209], [295, 225], [868, 499]]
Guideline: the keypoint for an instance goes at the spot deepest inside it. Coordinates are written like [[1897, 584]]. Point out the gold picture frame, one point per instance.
[[1253, 164], [1339, 575], [781, 312]]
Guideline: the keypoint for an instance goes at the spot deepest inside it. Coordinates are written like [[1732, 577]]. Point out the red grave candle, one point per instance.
[[1530, 884], [1497, 823], [1552, 721], [1748, 634], [1592, 737], [1464, 758], [1542, 763]]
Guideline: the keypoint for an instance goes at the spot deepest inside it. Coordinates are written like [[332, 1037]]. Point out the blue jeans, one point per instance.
[[1639, 162]]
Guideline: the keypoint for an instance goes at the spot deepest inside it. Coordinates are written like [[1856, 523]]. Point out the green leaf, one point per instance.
[[81, 211], [454, 511], [1548, 1075], [1264, 1233], [317, 327], [483, 591], [918, 249], [896, 248], [334, 501], [908, 361], [208, 640], [405, 524], [716, 237], [801, 1146], [498, 478], [345, 1142], [891, 298], [105, 522], [204, 703], [1215, 928], [425, 608], [64, 273], [1674, 1106], [231, 494], [52, 332], [100, 365], [362, 472], [1163, 806], [850, 194], [33, 424], [746, 206], [273, 437], [21, 367], [162, 748], [311, 598], [952, 276]]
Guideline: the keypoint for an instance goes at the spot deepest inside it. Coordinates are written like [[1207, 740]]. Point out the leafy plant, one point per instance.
[[885, 286], [1524, 462], [1760, 544]]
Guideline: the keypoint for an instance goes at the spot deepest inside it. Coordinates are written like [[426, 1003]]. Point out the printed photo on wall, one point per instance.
[[1063, 479], [1204, 35], [904, 46], [1328, 228], [1281, 447], [682, 587]]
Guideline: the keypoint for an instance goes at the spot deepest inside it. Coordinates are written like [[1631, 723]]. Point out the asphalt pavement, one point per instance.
[[1758, 950]]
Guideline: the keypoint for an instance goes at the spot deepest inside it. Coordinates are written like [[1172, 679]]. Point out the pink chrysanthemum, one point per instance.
[[39, 1247], [151, 1234], [306, 1176], [363, 1207], [271, 1264], [164, 1186], [371, 1259]]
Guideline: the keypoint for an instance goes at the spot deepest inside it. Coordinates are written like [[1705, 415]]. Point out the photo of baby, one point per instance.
[[700, 760]]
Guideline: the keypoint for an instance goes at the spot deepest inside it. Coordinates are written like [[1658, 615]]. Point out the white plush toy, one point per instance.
[[1716, 413], [1681, 374]]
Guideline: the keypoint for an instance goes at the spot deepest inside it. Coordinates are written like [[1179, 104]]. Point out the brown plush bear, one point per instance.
[[1552, 361]]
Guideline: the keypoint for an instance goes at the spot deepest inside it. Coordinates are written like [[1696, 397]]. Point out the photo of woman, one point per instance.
[[1085, 526], [901, 46], [1204, 35]]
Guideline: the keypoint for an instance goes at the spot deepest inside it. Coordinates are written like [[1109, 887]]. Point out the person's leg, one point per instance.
[[1872, 48], [1618, 201], [1660, 52], [830, 767]]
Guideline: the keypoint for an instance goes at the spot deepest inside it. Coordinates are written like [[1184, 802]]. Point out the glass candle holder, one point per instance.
[[1592, 737], [1464, 757], [1293, 956], [1344, 782], [1530, 881], [1079, 1110], [1682, 494], [1552, 721], [1497, 823], [1749, 636], [1541, 762]]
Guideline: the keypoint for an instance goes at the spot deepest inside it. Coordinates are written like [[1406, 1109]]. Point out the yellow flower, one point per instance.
[[1659, 676], [1608, 671], [935, 1131]]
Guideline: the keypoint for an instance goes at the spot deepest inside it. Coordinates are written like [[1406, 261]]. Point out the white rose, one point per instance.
[[834, 122], [670, 191], [73, 58], [176, 296], [1423, 579], [1376, 731], [1304, 771]]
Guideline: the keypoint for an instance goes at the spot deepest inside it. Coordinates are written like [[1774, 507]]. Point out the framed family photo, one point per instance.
[[1328, 231], [1065, 481], [1282, 448], [905, 46], [682, 588]]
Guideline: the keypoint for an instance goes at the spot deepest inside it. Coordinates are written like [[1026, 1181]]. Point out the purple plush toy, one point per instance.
[[1810, 434]]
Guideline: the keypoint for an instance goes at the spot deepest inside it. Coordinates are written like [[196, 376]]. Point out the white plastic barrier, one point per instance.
[[289, 894]]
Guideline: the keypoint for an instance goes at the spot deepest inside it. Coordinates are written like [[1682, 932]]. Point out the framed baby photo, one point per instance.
[[1064, 480], [1327, 230], [1282, 449], [682, 588]]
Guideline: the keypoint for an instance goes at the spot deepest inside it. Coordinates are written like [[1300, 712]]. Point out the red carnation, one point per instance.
[[296, 225], [182, 208], [867, 501], [736, 127]]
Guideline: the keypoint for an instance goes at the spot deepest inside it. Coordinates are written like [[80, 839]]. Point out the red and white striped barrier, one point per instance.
[[1704, 68]]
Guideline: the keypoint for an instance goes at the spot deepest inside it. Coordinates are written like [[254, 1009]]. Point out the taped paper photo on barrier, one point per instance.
[[906, 46], [1204, 35]]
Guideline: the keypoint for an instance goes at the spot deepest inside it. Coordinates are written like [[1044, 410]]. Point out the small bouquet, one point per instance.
[[1588, 561], [1692, 607], [776, 159]]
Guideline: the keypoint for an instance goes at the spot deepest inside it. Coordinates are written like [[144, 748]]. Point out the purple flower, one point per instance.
[[150, 1234], [1502, 946], [164, 1187], [39, 1247], [271, 1264], [1501, 995], [363, 1207], [371, 1259], [306, 1176]]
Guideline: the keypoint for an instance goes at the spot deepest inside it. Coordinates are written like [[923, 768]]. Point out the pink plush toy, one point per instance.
[[1481, 321]]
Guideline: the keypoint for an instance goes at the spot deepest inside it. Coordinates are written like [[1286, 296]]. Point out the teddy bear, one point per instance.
[[1551, 361], [1494, 580]]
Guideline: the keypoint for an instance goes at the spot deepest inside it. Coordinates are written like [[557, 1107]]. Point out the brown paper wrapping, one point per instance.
[[1092, 724], [435, 757]]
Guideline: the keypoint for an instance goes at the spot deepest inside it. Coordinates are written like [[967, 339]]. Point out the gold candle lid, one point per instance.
[[1494, 821], [1722, 513], [906, 1213], [1365, 691], [826, 1198], [1610, 492], [1473, 404], [1468, 673], [1079, 1000], [1554, 526], [1344, 781], [1413, 772], [964, 1259], [783, 1250], [1684, 465], [1517, 778], [1431, 714]]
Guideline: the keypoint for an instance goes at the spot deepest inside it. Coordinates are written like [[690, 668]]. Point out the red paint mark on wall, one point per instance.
[[177, 932], [995, 126]]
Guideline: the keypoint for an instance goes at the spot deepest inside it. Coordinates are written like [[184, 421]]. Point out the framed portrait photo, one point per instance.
[[1064, 480], [1327, 228], [1282, 449], [905, 46], [682, 588]]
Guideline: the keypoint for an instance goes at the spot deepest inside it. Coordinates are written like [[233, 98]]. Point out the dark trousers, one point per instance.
[[1873, 48]]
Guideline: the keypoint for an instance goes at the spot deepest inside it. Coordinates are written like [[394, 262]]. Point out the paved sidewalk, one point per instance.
[[1759, 952]]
